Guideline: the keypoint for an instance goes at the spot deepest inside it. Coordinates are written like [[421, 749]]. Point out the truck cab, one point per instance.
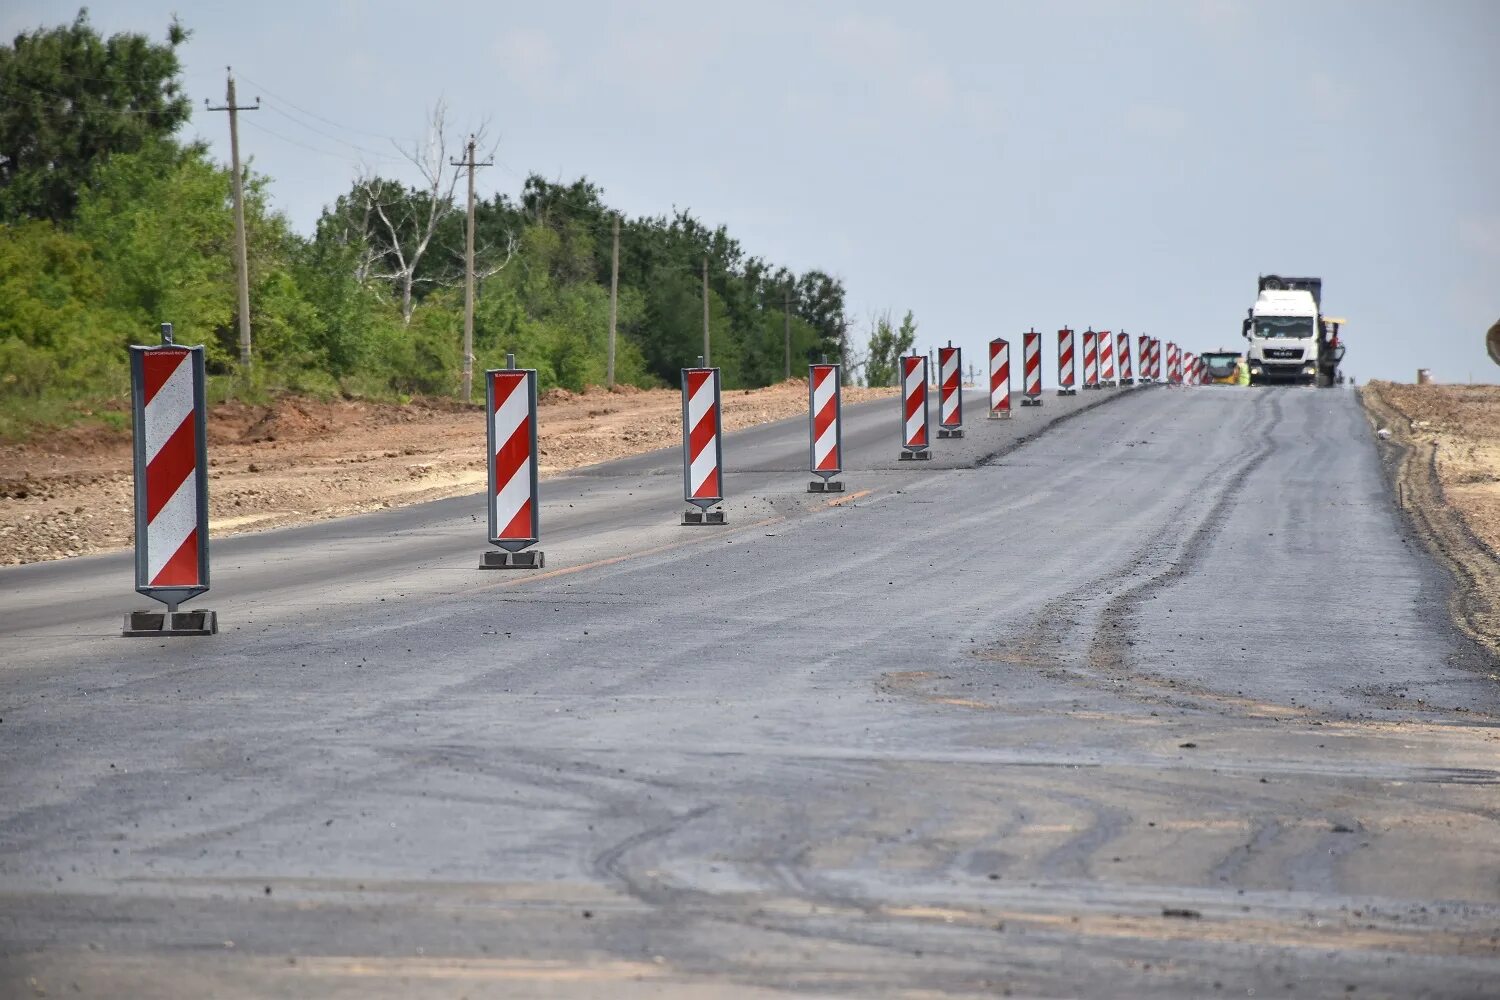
[[1283, 331]]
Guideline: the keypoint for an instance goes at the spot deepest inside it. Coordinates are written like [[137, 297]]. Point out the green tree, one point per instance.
[[887, 344], [160, 224], [57, 334], [72, 99]]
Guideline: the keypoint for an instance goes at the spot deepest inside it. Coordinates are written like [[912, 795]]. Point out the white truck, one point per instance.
[[1291, 341]]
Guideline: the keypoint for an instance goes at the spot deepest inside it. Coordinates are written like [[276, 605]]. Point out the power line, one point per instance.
[[313, 114], [344, 157], [343, 142]]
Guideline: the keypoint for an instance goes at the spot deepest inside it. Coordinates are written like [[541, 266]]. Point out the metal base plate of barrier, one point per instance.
[[1067, 392], [1005, 415], [1029, 401], [825, 486], [534, 559], [950, 432], [703, 517], [907, 455], [162, 623], [1127, 381]]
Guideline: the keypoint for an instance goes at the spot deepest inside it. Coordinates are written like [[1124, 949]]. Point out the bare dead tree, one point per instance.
[[400, 224]]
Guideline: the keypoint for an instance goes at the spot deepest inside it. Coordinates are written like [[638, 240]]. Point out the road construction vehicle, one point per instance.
[[1221, 367], [1291, 341]]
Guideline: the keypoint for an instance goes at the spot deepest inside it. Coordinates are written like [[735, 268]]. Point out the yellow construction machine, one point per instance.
[[1221, 367]]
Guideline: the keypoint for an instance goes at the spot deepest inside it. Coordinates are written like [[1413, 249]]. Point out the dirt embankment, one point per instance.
[[70, 493], [1444, 444]]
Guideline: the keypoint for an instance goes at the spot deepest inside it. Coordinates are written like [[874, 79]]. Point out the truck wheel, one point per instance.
[[1325, 381]]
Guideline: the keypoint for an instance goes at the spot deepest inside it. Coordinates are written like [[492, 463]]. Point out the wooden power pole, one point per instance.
[[706, 361], [614, 304], [241, 257], [468, 377]]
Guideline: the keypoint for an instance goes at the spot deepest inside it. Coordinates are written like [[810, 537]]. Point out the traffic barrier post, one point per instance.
[[1090, 359], [999, 379], [510, 433], [825, 448], [1067, 373], [1106, 358], [1127, 368], [914, 406], [170, 452], [951, 391], [1031, 365], [1143, 351], [702, 445]]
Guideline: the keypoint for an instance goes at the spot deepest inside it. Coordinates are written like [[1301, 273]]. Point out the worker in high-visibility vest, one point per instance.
[[1242, 372]]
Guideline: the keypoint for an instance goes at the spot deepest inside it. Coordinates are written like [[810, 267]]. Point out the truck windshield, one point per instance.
[[1221, 360], [1284, 326]]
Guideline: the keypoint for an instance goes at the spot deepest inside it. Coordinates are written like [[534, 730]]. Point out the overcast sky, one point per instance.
[[991, 166]]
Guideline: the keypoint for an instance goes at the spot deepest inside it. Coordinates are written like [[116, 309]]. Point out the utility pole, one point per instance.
[[241, 262], [468, 378], [706, 360], [614, 304], [786, 319]]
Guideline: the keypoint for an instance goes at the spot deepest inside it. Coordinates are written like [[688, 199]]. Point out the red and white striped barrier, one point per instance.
[[510, 431], [1156, 360], [1106, 358], [825, 448], [1090, 359], [1143, 351], [1031, 364], [1067, 374], [702, 446], [1127, 369], [171, 487], [999, 378], [950, 391], [1174, 363], [914, 413]]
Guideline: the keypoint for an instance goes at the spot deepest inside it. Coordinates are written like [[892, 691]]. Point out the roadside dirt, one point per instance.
[[1444, 451], [300, 460]]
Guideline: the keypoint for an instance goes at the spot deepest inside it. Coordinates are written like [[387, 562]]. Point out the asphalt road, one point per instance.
[[1157, 699]]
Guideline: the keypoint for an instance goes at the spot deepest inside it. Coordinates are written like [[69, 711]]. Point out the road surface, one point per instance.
[[1160, 698]]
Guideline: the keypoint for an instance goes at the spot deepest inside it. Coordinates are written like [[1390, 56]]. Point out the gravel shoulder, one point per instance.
[[1441, 446], [301, 460]]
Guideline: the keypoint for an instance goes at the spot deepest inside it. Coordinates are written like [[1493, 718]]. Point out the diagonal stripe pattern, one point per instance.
[[999, 376], [1106, 356], [701, 434], [513, 505], [1127, 370], [170, 453], [1031, 361], [914, 401], [1066, 369], [951, 395], [824, 416], [1090, 358]]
